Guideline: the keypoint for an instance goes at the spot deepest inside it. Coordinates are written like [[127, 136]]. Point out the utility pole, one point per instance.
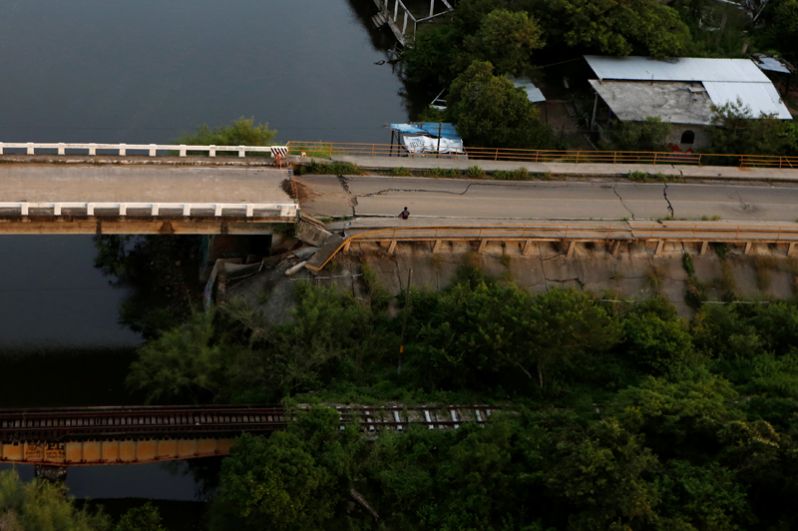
[[404, 320], [438, 153]]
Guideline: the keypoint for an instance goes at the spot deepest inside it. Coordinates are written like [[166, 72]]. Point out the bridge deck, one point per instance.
[[141, 183], [142, 198], [119, 435]]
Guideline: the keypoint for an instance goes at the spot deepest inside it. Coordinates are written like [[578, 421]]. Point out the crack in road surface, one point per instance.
[[344, 182], [623, 203], [745, 206], [417, 190], [667, 199]]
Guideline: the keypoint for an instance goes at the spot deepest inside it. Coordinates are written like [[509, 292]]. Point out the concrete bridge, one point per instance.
[[60, 188], [144, 434]]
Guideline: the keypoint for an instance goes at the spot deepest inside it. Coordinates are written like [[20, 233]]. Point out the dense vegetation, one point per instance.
[[471, 53], [41, 505], [624, 415]]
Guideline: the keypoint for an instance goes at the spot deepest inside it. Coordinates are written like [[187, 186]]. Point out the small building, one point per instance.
[[425, 138], [533, 93], [681, 92], [778, 70]]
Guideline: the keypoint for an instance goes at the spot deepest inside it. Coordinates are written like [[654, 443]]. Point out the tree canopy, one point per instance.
[[621, 415], [490, 111], [242, 132]]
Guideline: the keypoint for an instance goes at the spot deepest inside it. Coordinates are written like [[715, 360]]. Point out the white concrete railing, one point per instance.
[[286, 210], [152, 150]]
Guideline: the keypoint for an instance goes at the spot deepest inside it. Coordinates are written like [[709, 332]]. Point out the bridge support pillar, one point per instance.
[[790, 249], [748, 248], [436, 246], [392, 247], [482, 245], [526, 248], [704, 248], [570, 249], [660, 247]]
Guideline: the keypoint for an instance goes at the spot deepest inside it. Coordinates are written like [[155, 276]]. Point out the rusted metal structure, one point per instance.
[[401, 19], [144, 434]]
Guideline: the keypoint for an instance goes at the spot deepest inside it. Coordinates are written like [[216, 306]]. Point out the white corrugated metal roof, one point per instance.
[[761, 98], [771, 64], [725, 80], [533, 93], [682, 69]]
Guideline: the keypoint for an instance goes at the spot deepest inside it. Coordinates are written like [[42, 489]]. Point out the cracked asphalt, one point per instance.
[[428, 200]]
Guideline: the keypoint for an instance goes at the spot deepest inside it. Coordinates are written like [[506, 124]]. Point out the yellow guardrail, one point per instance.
[[322, 149]]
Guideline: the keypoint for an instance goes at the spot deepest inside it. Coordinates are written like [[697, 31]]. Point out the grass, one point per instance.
[[645, 177], [319, 151], [328, 168]]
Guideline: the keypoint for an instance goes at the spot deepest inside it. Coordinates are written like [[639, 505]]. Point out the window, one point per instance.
[[688, 137]]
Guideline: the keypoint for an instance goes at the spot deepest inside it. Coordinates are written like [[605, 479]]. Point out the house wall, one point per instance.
[[701, 139]]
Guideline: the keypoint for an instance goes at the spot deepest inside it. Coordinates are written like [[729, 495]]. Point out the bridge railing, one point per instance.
[[187, 210], [124, 150], [321, 149]]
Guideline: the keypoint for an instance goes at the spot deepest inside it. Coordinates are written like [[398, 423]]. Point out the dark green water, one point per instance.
[[147, 71]]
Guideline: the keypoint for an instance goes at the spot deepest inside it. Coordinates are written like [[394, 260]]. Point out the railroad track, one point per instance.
[[176, 422]]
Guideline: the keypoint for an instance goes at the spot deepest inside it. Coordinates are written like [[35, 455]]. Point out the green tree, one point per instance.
[[779, 29], [242, 132], [143, 518], [429, 64], [681, 419], [702, 497], [603, 475], [507, 39], [482, 334], [184, 364], [736, 130], [490, 111], [649, 135], [655, 337], [272, 482], [613, 27], [41, 505], [301, 478]]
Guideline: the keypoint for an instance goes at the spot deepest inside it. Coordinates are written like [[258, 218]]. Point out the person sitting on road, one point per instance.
[[404, 214]]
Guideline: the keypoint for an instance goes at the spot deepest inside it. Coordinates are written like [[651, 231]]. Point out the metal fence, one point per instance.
[[322, 149]]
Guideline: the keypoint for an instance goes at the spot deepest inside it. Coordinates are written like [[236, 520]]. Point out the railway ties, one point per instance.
[[401, 418], [214, 422]]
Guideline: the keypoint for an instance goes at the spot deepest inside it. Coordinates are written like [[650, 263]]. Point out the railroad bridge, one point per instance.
[[144, 434], [59, 188]]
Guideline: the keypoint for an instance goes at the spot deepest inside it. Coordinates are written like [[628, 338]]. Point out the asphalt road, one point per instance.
[[33, 182], [455, 201]]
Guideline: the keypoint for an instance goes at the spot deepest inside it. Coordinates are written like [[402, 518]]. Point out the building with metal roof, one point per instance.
[[682, 92]]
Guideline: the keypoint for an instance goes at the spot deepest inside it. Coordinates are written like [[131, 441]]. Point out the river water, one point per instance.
[[142, 71]]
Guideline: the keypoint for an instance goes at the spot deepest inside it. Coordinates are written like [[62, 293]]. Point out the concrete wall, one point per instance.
[[631, 275], [702, 139]]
